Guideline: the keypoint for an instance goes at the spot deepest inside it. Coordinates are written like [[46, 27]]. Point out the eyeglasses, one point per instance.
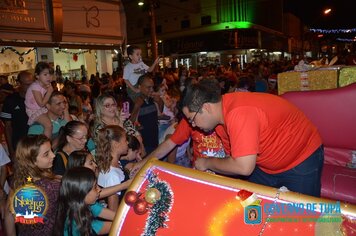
[[84, 138], [110, 105], [191, 121]]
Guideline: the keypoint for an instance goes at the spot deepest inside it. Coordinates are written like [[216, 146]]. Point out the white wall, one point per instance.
[[9, 60], [104, 59]]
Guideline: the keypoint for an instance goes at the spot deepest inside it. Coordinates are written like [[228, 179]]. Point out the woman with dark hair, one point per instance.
[[72, 137], [85, 159], [78, 209]]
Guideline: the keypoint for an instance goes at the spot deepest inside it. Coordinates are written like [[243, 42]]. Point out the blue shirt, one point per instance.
[[96, 225], [36, 128]]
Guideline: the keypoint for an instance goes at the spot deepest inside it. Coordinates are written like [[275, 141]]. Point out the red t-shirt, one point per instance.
[[204, 145], [269, 126]]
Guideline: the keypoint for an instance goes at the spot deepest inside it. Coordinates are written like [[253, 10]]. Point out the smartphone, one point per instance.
[[126, 109]]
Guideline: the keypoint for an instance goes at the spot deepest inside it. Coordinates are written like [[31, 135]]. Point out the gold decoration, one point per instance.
[[317, 80], [329, 225], [152, 195], [347, 76]]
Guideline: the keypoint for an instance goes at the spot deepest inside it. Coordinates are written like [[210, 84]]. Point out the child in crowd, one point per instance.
[[37, 96], [86, 159], [86, 107], [170, 110], [111, 145], [34, 158], [78, 207], [133, 155], [134, 69]]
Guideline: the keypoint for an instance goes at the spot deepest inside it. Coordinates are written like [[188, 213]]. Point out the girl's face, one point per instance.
[[45, 78], [45, 156], [79, 138], [136, 56], [93, 195], [109, 108], [90, 163], [133, 155]]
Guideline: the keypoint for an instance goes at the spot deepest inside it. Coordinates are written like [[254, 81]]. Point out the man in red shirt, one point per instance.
[[270, 140]]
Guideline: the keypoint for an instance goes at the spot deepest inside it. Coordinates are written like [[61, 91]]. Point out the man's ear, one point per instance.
[[207, 106]]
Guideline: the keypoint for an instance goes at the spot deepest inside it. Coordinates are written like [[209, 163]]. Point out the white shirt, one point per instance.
[[113, 177], [133, 71], [4, 159]]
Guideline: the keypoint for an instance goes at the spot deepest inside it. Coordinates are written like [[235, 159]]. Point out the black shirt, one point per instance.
[[148, 119], [14, 110]]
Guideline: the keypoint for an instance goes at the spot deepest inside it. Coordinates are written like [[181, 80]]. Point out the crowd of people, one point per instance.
[[83, 144]]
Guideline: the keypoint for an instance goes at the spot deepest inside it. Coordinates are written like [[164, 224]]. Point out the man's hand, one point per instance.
[[201, 164], [139, 101]]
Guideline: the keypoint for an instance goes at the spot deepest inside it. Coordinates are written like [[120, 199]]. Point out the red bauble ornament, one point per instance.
[[131, 197], [75, 57], [140, 207]]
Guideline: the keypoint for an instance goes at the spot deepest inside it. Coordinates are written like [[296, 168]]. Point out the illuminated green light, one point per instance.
[[243, 24], [233, 25]]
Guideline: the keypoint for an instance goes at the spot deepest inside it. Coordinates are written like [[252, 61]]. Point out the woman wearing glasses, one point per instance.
[[108, 113], [72, 137]]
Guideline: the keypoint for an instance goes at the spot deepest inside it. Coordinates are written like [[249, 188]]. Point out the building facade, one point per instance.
[[199, 32], [63, 32]]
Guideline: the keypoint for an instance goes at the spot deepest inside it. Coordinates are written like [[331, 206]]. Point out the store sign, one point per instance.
[[22, 14], [93, 21]]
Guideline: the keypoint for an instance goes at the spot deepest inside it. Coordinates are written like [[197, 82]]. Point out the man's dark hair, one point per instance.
[[54, 94], [143, 77], [207, 90], [23, 75]]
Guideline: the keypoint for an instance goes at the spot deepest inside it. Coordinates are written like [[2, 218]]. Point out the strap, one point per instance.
[[64, 158]]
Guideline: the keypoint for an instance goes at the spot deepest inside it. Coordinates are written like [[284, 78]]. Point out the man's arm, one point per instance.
[[134, 114], [229, 166], [163, 149]]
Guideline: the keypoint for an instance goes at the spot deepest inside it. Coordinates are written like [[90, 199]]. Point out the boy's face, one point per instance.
[[133, 155], [136, 56]]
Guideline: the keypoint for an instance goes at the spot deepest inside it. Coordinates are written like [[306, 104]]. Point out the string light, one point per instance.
[[333, 31], [72, 53], [346, 40], [15, 51]]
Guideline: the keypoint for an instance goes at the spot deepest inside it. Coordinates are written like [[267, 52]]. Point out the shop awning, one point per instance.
[[62, 23]]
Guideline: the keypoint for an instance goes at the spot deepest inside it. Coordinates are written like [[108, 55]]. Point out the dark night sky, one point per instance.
[[343, 13]]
